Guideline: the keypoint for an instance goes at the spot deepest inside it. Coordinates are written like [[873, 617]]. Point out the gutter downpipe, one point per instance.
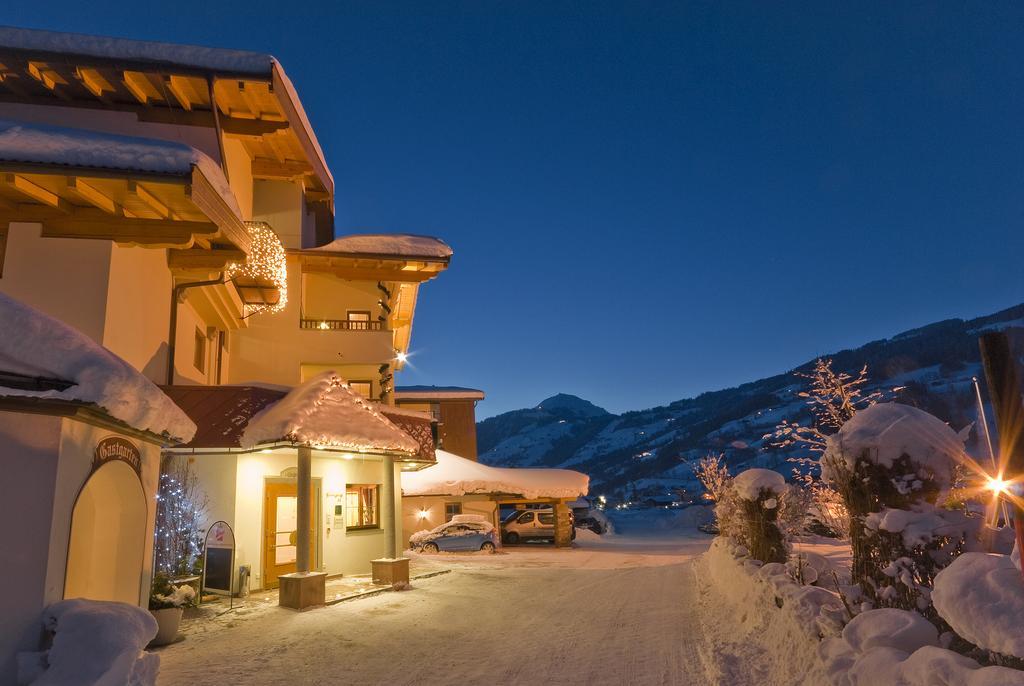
[[176, 293]]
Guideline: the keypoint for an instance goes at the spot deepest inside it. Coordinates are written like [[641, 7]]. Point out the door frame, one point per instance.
[[315, 512]]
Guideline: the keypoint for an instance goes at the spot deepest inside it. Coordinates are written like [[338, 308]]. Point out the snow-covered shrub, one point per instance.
[[891, 464], [833, 398], [164, 595], [758, 493], [981, 598]]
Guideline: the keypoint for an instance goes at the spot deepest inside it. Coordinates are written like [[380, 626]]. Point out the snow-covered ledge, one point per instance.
[[808, 643]]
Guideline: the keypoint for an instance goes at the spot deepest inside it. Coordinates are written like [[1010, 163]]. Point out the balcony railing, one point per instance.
[[341, 325]]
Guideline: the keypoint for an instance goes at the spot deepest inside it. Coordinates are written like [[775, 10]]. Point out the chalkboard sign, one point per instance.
[[219, 559]]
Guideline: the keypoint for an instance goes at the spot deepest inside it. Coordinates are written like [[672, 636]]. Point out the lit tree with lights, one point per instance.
[[180, 513]]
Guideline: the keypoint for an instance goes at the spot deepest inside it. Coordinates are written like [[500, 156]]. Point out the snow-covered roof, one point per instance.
[[36, 345], [437, 393], [39, 144], [325, 413], [454, 475], [390, 245], [191, 57]]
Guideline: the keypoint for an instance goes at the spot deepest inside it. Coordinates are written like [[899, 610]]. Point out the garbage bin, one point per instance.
[[243, 581]]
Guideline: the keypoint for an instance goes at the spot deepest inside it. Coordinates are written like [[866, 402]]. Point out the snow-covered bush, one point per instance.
[[981, 598], [165, 595], [833, 398], [757, 494], [94, 642], [891, 464]]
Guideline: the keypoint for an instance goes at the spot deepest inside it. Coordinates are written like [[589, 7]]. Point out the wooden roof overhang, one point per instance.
[[126, 206], [368, 267], [258, 106]]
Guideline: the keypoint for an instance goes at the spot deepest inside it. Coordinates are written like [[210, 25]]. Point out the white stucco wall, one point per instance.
[[138, 308], [64, 277], [282, 205], [47, 461], [235, 487], [29, 450]]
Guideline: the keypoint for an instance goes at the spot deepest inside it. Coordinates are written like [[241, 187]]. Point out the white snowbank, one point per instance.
[[95, 643], [454, 475], [807, 646], [30, 143], [325, 412], [884, 432], [398, 244], [749, 484], [38, 345], [981, 596]]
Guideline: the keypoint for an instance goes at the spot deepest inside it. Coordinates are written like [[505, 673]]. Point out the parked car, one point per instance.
[[456, 536], [525, 525]]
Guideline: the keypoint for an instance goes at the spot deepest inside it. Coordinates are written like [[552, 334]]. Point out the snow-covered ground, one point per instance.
[[621, 609]]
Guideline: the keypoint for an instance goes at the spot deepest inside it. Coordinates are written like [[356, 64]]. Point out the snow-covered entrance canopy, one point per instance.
[[454, 476], [45, 359], [325, 413], [144, 190]]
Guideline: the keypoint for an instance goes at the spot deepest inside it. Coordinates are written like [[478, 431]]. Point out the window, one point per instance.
[[199, 354], [359, 320], [363, 388], [546, 518], [526, 518], [452, 509], [361, 507]]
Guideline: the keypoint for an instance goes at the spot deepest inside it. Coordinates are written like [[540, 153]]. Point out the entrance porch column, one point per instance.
[[302, 589], [302, 508], [563, 527], [390, 518]]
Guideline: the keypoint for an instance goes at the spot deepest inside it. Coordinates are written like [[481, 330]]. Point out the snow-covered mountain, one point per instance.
[[650, 451]]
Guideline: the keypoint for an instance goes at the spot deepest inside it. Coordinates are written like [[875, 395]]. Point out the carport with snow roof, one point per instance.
[[456, 485]]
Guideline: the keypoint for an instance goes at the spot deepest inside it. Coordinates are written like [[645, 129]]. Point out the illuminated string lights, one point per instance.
[[266, 266]]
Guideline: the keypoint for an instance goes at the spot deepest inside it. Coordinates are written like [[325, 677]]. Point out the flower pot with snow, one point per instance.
[[167, 603], [167, 620]]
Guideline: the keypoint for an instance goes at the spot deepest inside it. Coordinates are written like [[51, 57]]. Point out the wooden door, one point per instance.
[[280, 530]]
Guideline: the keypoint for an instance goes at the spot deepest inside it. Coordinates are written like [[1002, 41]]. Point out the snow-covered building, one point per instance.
[[454, 408], [81, 434], [181, 195], [255, 447], [456, 485]]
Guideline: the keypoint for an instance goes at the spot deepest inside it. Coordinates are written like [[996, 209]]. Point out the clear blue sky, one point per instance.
[[650, 200]]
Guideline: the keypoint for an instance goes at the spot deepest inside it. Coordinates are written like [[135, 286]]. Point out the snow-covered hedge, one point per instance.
[[810, 645], [95, 642]]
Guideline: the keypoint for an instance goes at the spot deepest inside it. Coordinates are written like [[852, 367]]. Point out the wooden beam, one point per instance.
[[33, 190], [140, 86], [357, 274], [203, 260], [153, 202], [94, 82], [262, 168], [95, 197], [180, 89], [46, 75]]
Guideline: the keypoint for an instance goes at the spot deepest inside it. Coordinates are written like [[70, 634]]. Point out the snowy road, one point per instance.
[[621, 610]]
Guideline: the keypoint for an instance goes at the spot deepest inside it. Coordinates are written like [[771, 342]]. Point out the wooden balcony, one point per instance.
[[341, 325]]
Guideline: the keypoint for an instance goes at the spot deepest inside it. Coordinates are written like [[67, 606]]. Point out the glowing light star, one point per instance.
[[401, 357], [997, 485], [423, 514], [265, 264]]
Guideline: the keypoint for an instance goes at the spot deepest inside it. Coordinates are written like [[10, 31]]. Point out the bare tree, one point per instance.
[[180, 512]]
